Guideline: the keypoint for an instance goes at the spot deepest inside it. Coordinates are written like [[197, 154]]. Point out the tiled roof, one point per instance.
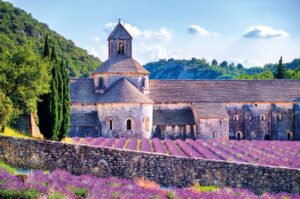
[[83, 90], [121, 65], [85, 119], [119, 32], [173, 117], [209, 110], [123, 92], [222, 91]]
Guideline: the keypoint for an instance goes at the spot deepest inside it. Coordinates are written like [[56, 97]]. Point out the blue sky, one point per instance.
[[252, 32]]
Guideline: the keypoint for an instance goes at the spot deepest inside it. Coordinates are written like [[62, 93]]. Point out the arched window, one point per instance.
[[253, 135], [278, 117], [290, 136], [121, 48], [214, 134], [236, 117], [101, 82], [129, 125], [263, 117], [110, 124], [248, 117], [146, 124]]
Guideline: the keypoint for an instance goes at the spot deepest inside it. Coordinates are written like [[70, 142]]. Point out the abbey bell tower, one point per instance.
[[120, 43]]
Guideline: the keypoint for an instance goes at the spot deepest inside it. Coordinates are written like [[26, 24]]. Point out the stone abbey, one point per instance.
[[119, 100]]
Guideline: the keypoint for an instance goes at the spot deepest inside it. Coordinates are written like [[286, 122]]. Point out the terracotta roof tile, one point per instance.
[[223, 91], [121, 65], [123, 92]]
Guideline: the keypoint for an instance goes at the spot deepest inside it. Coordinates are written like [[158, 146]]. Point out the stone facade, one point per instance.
[[119, 114], [164, 169], [128, 104]]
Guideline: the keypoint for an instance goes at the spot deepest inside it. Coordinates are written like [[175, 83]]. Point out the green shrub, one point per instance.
[[115, 195], [80, 192], [13, 194], [171, 195], [8, 168], [56, 195]]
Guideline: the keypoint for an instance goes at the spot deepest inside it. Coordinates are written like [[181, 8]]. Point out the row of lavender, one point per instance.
[[275, 153], [61, 184]]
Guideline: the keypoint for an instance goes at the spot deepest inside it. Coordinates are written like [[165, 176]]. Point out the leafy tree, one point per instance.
[[224, 64], [5, 111], [239, 66], [296, 74], [23, 78], [231, 65], [214, 62], [261, 76], [20, 28], [280, 70]]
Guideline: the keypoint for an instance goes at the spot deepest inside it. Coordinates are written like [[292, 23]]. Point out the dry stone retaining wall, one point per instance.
[[166, 170]]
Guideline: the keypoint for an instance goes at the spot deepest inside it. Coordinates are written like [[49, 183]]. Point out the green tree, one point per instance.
[[66, 102], [23, 78], [280, 70], [46, 51], [297, 73], [224, 64], [5, 111], [214, 62], [260, 76], [239, 66], [48, 108]]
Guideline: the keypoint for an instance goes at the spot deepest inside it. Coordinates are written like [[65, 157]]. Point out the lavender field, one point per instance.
[[274, 153], [63, 185]]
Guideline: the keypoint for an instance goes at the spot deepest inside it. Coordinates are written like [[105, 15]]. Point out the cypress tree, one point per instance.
[[46, 52], [48, 107], [66, 101], [280, 73], [57, 77]]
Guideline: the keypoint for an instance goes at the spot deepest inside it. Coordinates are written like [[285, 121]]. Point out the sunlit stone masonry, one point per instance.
[[119, 100]]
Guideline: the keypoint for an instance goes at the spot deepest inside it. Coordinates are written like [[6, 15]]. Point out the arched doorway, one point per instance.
[[267, 137], [239, 135], [290, 136]]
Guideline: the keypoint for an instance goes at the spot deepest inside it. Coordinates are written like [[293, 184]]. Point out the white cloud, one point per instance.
[[161, 34], [266, 32], [195, 29], [151, 52], [96, 39], [92, 51]]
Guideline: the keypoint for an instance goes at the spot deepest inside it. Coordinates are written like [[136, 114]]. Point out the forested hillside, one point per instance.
[[201, 69], [18, 28]]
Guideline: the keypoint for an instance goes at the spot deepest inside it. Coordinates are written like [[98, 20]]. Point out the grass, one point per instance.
[[80, 192], [7, 167], [198, 187], [14, 133], [12, 194], [67, 140]]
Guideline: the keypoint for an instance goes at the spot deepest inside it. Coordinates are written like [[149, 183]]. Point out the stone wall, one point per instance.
[[211, 128], [120, 113], [263, 121], [166, 170]]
